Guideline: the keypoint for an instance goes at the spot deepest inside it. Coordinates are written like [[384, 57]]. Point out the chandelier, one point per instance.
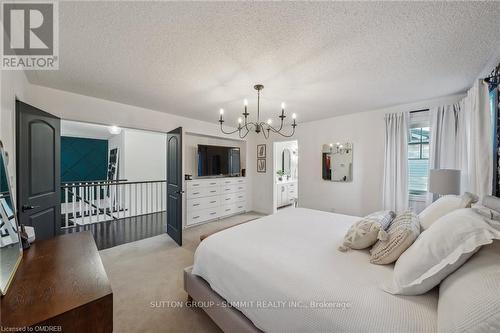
[[245, 126]]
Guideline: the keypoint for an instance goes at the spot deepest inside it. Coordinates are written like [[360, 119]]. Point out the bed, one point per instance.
[[283, 273]]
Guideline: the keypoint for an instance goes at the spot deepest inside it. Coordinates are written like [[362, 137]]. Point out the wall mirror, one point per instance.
[[286, 162], [10, 241], [337, 162]]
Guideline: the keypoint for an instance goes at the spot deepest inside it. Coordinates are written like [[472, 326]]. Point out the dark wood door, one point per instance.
[[38, 170], [174, 185]]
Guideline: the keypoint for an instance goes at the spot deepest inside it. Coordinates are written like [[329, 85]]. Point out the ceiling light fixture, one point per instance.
[[115, 130], [244, 126]]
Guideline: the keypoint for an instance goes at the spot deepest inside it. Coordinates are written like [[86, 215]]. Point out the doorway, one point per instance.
[[285, 175]]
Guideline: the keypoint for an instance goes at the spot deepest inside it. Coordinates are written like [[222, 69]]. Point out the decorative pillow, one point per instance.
[[401, 234], [365, 233], [469, 299], [486, 212], [439, 251], [491, 202], [444, 205]]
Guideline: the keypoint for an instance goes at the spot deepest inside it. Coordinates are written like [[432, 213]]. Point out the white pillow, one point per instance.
[[439, 251], [469, 299], [442, 206]]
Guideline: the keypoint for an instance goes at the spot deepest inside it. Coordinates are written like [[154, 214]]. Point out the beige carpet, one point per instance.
[[149, 272]]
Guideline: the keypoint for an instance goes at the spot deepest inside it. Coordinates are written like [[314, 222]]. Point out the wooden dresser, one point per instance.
[[61, 285]]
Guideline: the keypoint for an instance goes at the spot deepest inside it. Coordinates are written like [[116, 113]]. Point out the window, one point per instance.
[[418, 153]]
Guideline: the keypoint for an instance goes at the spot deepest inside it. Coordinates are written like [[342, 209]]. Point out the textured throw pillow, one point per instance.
[[486, 212], [444, 205], [491, 202], [365, 233], [439, 251], [401, 234], [469, 299]]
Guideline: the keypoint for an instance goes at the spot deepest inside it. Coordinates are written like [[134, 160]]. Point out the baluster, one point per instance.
[[92, 192], [136, 203], [157, 197], [66, 208], [129, 200], [73, 190], [142, 201], [161, 196], [109, 197], [98, 202], [80, 195]]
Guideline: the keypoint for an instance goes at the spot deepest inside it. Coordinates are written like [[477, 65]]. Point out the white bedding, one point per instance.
[[291, 257]]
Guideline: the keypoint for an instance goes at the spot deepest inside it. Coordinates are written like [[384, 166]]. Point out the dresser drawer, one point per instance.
[[198, 216], [240, 196], [199, 183], [232, 208], [203, 192], [203, 203], [228, 198], [241, 180]]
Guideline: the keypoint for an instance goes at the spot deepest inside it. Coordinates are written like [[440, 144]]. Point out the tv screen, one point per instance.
[[218, 161]]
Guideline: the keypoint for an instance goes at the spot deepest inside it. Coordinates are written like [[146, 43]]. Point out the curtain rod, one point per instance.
[[417, 111]]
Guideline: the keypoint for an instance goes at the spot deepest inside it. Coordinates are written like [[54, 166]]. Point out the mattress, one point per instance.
[[285, 274]]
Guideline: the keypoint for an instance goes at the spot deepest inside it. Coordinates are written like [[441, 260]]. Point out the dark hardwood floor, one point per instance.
[[112, 233]]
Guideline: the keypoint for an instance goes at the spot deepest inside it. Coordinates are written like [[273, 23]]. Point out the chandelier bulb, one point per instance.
[[269, 121], [240, 120], [294, 116], [282, 105], [245, 102], [221, 111]]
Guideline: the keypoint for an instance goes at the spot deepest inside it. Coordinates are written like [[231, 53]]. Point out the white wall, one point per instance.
[[144, 156], [366, 130], [13, 85]]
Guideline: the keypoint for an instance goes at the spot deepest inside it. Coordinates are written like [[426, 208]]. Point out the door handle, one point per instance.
[[181, 191], [25, 208]]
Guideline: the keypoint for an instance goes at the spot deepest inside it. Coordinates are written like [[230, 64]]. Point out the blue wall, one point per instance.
[[83, 159]]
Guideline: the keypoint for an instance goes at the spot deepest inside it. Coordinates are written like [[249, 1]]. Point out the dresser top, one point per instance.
[[55, 276]]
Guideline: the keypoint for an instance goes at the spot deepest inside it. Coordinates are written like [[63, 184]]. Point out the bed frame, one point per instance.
[[229, 319]]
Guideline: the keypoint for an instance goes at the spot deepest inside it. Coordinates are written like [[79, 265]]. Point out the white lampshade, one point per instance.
[[444, 181]]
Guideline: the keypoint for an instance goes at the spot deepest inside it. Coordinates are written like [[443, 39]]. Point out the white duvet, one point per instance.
[[285, 274]]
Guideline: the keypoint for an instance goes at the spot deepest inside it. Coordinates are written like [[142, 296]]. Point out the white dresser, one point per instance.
[[214, 198], [286, 193]]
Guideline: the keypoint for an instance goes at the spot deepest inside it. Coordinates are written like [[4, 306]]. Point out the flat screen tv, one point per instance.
[[218, 161]]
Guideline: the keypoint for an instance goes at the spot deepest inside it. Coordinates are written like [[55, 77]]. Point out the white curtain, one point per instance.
[[448, 141], [479, 140], [395, 190], [461, 138]]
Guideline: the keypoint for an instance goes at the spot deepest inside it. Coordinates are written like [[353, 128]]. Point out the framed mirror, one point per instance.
[[286, 162], [337, 162], [10, 240]]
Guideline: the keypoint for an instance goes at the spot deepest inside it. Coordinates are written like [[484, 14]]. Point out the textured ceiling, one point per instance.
[[323, 59]]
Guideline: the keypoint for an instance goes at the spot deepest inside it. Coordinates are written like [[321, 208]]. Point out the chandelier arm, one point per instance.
[[222, 130], [244, 135], [289, 135]]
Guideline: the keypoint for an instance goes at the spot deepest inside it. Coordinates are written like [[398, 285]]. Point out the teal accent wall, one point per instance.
[[83, 159], [3, 177]]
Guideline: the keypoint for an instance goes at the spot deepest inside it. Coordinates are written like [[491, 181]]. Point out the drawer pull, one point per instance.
[[227, 189], [196, 192], [227, 199], [196, 185], [196, 217], [240, 206], [213, 201], [228, 182], [213, 183], [194, 205], [227, 210], [213, 213], [213, 191]]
